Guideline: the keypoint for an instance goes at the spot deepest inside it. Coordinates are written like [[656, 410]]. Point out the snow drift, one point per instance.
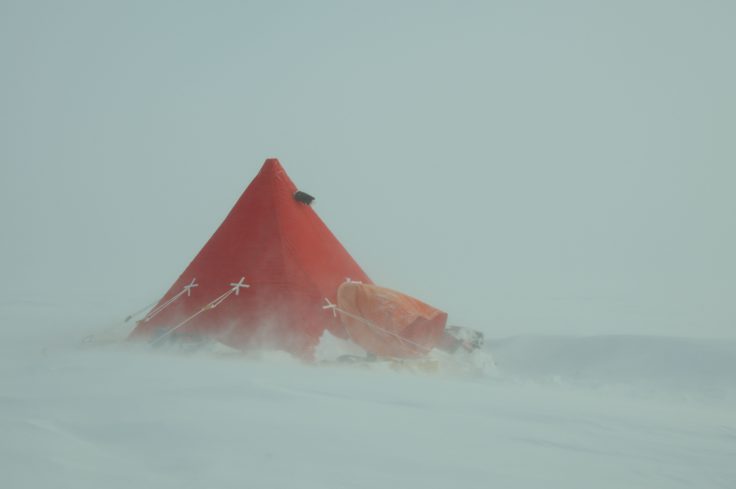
[[605, 411]]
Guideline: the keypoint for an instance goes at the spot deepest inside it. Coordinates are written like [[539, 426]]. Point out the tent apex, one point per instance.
[[272, 166]]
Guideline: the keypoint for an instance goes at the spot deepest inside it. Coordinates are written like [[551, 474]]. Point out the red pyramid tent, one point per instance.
[[262, 278]]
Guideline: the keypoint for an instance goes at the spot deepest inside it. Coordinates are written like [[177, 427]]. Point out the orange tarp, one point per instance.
[[388, 323]]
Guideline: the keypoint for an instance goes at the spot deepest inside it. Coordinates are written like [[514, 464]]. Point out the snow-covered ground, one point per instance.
[[588, 412]]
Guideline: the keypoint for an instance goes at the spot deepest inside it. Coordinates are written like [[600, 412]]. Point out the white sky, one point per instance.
[[530, 167]]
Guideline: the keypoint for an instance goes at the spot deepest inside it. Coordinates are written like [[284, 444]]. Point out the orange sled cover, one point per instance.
[[388, 323]]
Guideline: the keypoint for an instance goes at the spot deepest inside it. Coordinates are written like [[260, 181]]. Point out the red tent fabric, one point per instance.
[[283, 251]]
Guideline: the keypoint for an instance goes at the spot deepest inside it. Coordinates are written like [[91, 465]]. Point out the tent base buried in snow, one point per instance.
[[274, 276]]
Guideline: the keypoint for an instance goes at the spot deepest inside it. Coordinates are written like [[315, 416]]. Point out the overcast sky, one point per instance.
[[529, 167]]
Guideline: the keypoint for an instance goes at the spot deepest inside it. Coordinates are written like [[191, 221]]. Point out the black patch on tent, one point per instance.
[[303, 197]]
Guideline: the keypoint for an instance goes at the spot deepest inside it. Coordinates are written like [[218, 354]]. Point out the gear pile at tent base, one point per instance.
[[274, 276]]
